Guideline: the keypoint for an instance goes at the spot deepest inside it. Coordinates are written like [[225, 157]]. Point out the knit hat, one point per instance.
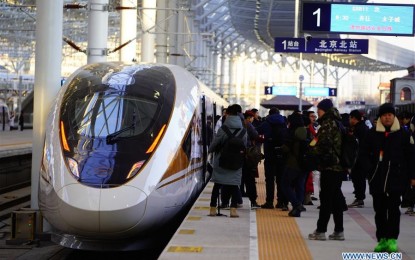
[[325, 104], [386, 108], [356, 114]]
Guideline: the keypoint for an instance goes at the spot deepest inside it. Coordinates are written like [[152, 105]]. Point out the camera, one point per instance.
[[308, 37]]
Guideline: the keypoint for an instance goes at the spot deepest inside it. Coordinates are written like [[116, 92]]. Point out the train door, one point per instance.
[[204, 138]]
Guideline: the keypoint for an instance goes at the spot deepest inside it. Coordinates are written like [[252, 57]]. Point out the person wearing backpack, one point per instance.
[[275, 132], [359, 129], [327, 147], [253, 157], [389, 157], [294, 175], [221, 175]]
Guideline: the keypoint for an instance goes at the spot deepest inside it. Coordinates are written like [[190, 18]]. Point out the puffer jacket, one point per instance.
[[389, 157], [328, 145], [220, 175]]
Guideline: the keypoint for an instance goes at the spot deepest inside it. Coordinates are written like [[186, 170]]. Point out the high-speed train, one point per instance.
[[125, 151]]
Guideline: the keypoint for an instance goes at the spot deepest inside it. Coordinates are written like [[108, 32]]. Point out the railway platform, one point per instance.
[[257, 234]]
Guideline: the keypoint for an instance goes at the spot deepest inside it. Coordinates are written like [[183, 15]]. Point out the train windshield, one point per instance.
[[107, 115], [112, 119]]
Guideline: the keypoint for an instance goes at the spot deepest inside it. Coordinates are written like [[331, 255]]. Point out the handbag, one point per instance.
[[408, 199], [253, 156]]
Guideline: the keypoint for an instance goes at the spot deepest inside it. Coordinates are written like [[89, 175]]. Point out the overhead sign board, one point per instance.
[[322, 45], [320, 92], [349, 18], [281, 90]]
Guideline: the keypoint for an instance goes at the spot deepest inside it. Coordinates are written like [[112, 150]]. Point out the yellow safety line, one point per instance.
[[278, 234]]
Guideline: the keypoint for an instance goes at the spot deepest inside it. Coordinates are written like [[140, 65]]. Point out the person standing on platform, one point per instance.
[[294, 176], [226, 178], [326, 146], [389, 156], [275, 133], [310, 119], [358, 173]]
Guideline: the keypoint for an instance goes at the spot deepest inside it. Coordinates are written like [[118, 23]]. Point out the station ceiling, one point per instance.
[[247, 25]]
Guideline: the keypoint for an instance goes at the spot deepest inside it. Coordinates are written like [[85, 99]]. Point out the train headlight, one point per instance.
[[135, 169], [73, 166]]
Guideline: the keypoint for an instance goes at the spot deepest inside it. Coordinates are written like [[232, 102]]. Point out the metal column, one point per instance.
[[48, 58], [128, 30], [97, 31], [149, 22]]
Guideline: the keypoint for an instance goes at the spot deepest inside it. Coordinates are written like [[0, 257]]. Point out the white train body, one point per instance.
[[125, 151]]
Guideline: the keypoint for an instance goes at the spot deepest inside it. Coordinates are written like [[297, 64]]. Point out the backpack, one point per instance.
[[349, 148], [232, 154]]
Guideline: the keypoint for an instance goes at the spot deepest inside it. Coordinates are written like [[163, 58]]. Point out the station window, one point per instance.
[[406, 94]]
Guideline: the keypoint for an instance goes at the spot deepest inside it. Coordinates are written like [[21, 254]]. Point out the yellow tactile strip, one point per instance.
[[278, 234]]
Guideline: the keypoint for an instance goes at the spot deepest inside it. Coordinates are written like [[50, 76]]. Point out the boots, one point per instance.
[[212, 211], [234, 214]]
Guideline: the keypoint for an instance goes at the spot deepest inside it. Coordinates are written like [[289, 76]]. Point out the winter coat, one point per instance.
[[275, 120], [292, 148], [328, 145], [252, 134], [389, 171], [360, 131], [220, 175]]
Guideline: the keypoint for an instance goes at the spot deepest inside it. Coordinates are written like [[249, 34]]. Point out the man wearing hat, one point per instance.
[[389, 155], [358, 173], [326, 146]]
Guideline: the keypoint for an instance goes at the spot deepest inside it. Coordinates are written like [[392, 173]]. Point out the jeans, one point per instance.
[[293, 184]]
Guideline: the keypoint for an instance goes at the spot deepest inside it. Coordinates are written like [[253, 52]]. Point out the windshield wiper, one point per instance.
[[113, 138]]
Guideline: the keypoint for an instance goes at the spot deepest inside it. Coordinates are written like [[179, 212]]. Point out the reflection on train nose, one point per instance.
[[127, 204]]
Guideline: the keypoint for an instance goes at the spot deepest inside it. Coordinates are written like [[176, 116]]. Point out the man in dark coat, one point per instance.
[[389, 156], [358, 173], [275, 132]]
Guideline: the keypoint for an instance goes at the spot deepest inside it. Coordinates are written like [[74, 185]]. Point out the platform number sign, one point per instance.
[[332, 92], [268, 90]]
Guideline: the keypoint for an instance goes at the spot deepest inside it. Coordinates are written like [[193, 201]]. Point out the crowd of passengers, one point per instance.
[[385, 158]]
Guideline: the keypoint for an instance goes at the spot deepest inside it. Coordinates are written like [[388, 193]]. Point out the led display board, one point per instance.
[[320, 92], [349, 18], [281, 91]]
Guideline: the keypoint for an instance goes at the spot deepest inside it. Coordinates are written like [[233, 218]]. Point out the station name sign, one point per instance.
[[349, 18], [322, 45]]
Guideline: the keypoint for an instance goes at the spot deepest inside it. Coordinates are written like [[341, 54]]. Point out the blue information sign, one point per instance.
[[346, 46], [281, 91], [320, 92], [322, 45], [316, 92], [362, 18]]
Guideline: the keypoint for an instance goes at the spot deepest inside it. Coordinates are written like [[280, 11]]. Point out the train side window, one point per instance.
[[187, 144]]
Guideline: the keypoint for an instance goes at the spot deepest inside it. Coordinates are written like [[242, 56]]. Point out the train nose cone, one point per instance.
[[121, 208]]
